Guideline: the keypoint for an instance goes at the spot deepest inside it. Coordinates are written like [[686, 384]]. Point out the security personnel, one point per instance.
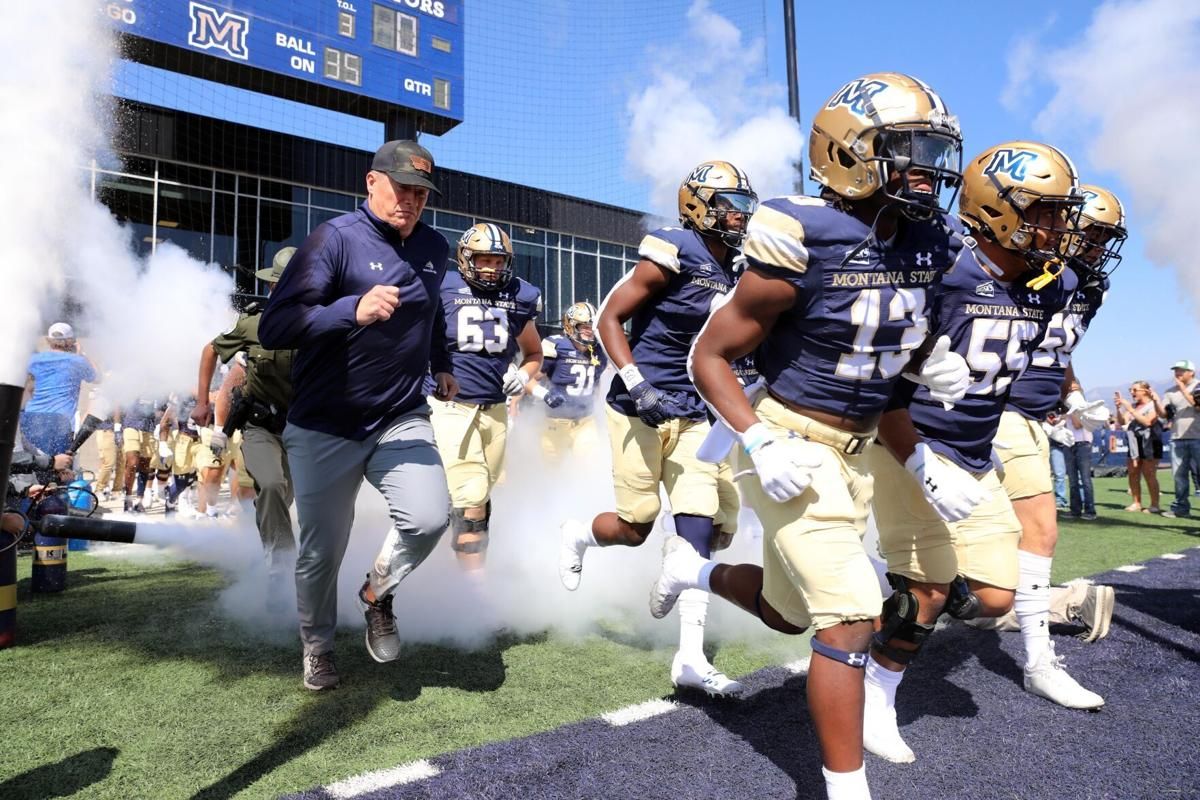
[[262, 401]]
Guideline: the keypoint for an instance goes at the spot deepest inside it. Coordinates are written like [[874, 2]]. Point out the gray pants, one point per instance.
[[266, 461], [400, 461]]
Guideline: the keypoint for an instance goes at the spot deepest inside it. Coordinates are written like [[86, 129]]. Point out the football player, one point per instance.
[[1023, 451], [571, 362], [946, 527], [139, 421], [834, 304], [656, 419], [490, 317]]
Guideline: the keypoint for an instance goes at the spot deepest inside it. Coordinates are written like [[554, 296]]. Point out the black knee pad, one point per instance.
[[899, 621], [460, 525], [961, 602]]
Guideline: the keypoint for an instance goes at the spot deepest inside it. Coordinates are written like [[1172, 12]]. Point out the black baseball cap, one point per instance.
[[405, 162]]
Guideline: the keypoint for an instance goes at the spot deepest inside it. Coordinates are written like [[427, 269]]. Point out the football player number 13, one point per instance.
[[865, 315], [482, 330]]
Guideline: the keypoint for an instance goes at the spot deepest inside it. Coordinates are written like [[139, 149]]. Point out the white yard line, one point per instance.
[[382, 779], [639, 712]]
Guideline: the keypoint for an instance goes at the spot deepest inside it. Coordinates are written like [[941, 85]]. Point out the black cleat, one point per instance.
[[319, 672], [383, 643]]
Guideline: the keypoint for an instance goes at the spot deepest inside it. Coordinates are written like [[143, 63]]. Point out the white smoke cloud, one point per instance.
[[1126, 91], [705, 101], [145, 322]]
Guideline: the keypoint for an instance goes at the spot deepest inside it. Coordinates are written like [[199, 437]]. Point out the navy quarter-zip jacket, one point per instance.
[[350, 381]]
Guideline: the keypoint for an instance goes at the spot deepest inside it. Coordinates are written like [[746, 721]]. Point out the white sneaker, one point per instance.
[[1049, 679], [679, 558], [574, 541], [703, 677], [881, 734]]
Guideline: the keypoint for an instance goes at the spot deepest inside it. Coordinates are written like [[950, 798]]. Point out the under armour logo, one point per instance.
[[1035, 300], [924, 259], [856, 659], [377, 266], [930, 484]]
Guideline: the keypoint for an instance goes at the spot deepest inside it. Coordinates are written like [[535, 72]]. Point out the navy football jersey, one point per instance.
[[995, 326], [573, 372], [860, 310], [1037, 392], [661, 332], [143, 414], [481, 333]]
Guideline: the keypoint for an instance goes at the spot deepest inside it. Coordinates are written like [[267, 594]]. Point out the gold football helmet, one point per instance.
[[1017, 190], [1102, 231], [485, 239], [709, 194], [884, 124], [577, 323]]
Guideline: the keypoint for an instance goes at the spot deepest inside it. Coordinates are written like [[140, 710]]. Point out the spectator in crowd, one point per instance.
[[1140, 420], [48, 420], [1179, 406], [1079, 465], [1058, 456]]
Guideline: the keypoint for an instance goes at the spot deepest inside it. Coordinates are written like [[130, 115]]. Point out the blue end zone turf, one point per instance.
[[975, 731]]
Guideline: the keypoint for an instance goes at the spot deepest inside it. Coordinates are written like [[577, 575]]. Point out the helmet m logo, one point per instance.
[[700, 173], [856, 94], [213, 28], [1012, 163]]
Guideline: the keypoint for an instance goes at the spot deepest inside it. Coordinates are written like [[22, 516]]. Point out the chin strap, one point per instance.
[[1039, 282]]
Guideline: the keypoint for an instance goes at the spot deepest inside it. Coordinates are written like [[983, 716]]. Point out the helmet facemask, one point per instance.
[[919, 169], [1048, 233], [1099, 250], [578, 324], [485, 239], [718, 205]]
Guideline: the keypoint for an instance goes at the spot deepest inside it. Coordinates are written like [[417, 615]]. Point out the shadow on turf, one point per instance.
[[365, 686], [68, 776], [776, 723]]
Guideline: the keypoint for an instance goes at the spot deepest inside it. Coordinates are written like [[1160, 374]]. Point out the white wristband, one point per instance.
[[755, 437], [116, 427], [631, 375], [539, 391]]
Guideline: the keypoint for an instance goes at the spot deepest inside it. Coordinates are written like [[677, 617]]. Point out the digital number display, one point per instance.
[[343, 67], [405, 53]]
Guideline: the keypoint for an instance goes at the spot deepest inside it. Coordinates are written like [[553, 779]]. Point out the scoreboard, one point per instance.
[[371, 58]]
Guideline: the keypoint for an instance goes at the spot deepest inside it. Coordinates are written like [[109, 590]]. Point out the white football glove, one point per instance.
[[514, 381], [952, 491], [784, 466], [945, 373], [1075, 402], [218, 442]]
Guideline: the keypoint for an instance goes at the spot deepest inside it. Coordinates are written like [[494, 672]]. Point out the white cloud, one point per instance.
[[707, 100]]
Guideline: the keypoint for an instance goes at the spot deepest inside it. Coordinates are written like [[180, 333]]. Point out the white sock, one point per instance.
[[880, 683], [586, 538], [847, 785], [1032, 604], [693, 611]]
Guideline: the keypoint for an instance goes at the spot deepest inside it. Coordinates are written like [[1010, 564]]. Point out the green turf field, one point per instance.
[[130, 685]]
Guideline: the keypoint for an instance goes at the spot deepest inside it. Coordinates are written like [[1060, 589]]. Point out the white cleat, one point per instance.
[[703, 677], [678, 558], [570, 553], [881, 734], [1049, 679]]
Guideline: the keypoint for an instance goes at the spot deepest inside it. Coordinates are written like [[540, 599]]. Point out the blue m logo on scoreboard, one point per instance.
[[214, 29], [1010, 162]]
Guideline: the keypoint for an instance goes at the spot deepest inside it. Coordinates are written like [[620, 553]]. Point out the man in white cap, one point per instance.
[[48, 420], [1180, 406]]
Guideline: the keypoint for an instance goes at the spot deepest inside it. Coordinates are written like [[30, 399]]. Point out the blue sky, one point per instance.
[[549, 83]]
